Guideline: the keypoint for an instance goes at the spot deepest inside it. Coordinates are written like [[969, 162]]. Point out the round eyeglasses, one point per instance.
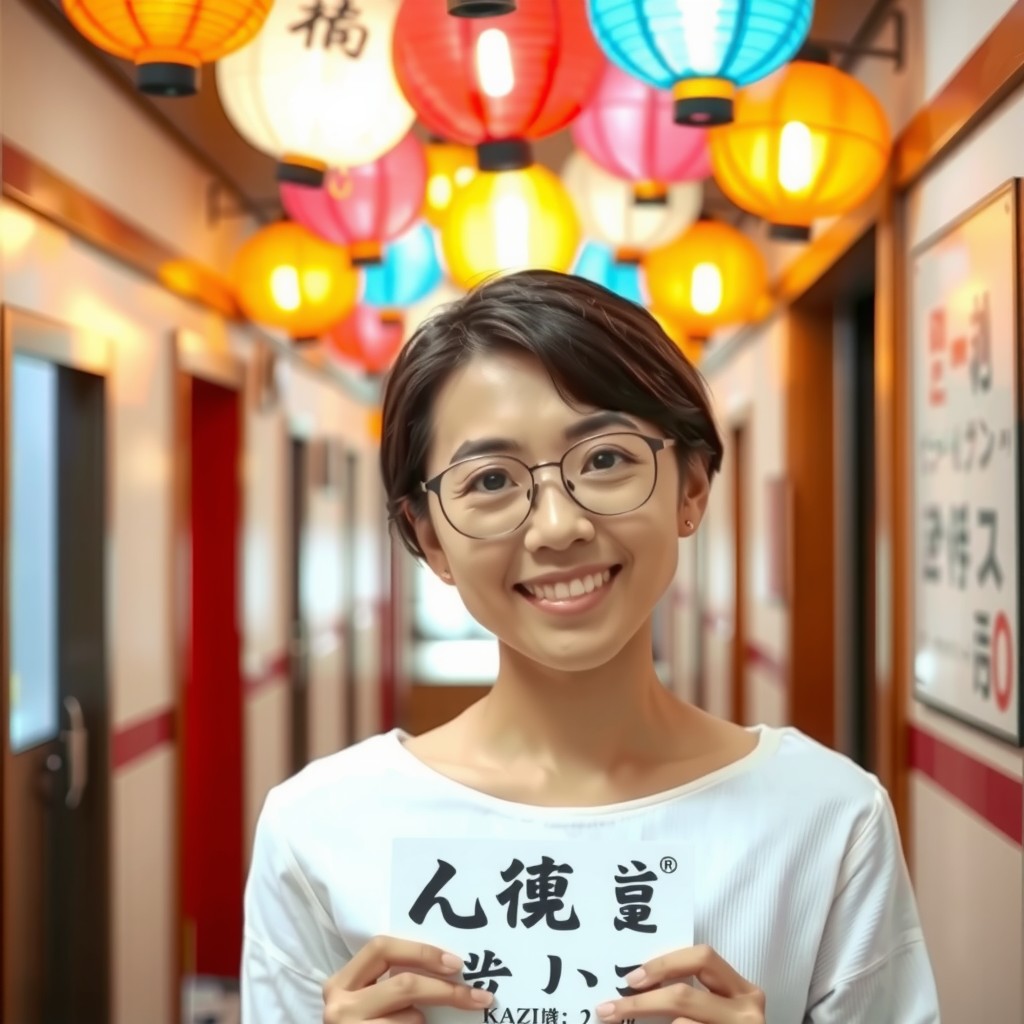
[[492, 495]]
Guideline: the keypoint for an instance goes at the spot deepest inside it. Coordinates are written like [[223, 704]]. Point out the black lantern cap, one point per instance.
[[504, 155], [299, 174], [164, 78], [703, 111], [480, 8], [789, 232], [813, 53]]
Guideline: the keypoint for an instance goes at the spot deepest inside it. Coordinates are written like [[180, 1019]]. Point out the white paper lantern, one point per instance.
[[316, 86], [610, 213]]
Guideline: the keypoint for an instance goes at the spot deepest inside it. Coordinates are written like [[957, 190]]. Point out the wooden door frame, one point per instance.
[[192, 359], [80, 349], [739, 428]]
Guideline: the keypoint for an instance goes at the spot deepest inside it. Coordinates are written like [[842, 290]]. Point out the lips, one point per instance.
[[586, 583]]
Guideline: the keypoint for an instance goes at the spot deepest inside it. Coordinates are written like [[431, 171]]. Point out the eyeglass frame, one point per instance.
[[656, 444]]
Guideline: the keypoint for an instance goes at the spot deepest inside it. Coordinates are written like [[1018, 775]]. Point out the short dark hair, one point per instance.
[[599, 349]]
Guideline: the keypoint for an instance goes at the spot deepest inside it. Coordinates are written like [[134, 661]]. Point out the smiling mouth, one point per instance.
[[582, 592]]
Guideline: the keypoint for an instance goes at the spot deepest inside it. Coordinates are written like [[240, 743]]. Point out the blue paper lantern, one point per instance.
[[409, 271], [597, 263], [700, 49]]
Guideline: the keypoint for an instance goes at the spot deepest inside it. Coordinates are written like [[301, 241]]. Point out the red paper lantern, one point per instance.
[[496, 82], [368, 337], [627, 128], [363, 207]]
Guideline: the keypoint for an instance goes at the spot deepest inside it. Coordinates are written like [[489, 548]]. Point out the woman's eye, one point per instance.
[[491, 481], [605, 459]]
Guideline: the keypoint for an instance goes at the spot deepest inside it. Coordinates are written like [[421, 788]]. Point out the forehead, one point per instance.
[[506, 394]]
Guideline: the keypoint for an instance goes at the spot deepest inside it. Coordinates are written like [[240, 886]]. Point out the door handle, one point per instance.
[[76, 744]]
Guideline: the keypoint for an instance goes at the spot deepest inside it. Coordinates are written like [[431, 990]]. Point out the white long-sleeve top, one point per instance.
[[800, 880]]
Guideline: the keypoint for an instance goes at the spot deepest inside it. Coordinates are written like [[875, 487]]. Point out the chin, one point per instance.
[[572, 655]]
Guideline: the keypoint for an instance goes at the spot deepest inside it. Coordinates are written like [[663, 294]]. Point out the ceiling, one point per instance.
[[199, 125]]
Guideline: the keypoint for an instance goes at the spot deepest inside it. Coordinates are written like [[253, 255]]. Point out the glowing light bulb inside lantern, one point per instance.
[[284, 287], [316, 284], [439, 192], [494, 69], [512, 231], [706, 288], [702, 32], [796, 163]]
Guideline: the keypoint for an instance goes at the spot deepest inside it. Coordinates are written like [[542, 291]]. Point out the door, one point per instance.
[[212, 707], [56, 778], [739, 589]]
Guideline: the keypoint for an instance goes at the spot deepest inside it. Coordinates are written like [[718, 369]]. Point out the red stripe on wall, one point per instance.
[[275, 671], [992, 795], [136, 740], [767, 662]]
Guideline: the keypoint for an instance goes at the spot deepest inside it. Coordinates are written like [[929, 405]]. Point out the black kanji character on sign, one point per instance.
[[622, 972], [970, 435], [981, 344], [989, 567], [545, 892], [982, 660], [340, 28], [634, 893], [988, 444], [550, 1017], [431, 896], [959, 546], [933, 544], [556, 975], [482, 970], [933, 451]]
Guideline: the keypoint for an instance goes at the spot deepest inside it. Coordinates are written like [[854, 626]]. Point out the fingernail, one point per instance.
[[452, 962], [638, 977], [481, 996], [606, 1011]]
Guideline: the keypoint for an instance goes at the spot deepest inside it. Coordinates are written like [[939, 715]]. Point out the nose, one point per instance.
[[555, 520]]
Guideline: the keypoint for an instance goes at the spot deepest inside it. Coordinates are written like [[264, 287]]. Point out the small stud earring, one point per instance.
[[689, 524]]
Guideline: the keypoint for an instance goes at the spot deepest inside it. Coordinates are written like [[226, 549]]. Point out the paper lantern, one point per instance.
[[410, 271], [808, 142], [597, 263], [627, 129], [450, 166], [168, 40], [362, 207], [368, 338], [509, 220], [317, 87], [692, 348], [288, 278], [711, 277], [496, 82], [701, 50], [609, 213]]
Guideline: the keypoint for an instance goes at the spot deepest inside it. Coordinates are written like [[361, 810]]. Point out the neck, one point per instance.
[[614, 713]]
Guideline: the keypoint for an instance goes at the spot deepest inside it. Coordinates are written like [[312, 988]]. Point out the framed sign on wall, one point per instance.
[[966, 381]]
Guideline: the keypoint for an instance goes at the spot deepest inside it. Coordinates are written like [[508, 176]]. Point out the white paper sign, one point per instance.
[[550, 928], [966, 459]]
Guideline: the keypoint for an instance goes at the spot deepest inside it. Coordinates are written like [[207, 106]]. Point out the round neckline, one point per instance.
[[767, 743]]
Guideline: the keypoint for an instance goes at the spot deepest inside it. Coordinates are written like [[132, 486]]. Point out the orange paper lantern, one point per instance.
[[168, 40], [810, 141], [286, 277], [713, 276]]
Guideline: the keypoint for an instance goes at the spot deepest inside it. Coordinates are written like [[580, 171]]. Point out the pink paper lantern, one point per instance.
[[628, 129], [368, 337], [363, 207]]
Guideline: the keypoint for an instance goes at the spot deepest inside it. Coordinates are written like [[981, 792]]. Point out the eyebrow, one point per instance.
[[579, 430]]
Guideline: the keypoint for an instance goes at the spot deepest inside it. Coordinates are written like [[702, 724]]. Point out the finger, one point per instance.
[[700, 962], [676, 1001], [405, 990], [383, 952]]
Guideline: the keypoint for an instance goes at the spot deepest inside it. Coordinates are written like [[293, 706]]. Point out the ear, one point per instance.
[[693, 498], [430, 545]]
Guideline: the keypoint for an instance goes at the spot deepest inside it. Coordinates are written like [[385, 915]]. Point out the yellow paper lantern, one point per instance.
[[168, 40], [450, 167], [809, 141], [286, 277], [692, 348], [509, 220], [711, 277]]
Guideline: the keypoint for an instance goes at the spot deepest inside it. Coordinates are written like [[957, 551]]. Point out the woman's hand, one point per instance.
[[730, 999], [354, 995]]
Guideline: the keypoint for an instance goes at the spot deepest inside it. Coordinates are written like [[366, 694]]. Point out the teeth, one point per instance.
[[565, 590]]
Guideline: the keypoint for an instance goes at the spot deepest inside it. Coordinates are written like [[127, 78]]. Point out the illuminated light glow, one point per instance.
[[512, 231], [706, 288], [316, 282], [464, 175], [439, 191], [700, 40], [494, 63], [796, 158], [284, 287]]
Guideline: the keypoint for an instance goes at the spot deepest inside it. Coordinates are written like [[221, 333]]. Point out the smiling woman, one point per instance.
[[545, 450]]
